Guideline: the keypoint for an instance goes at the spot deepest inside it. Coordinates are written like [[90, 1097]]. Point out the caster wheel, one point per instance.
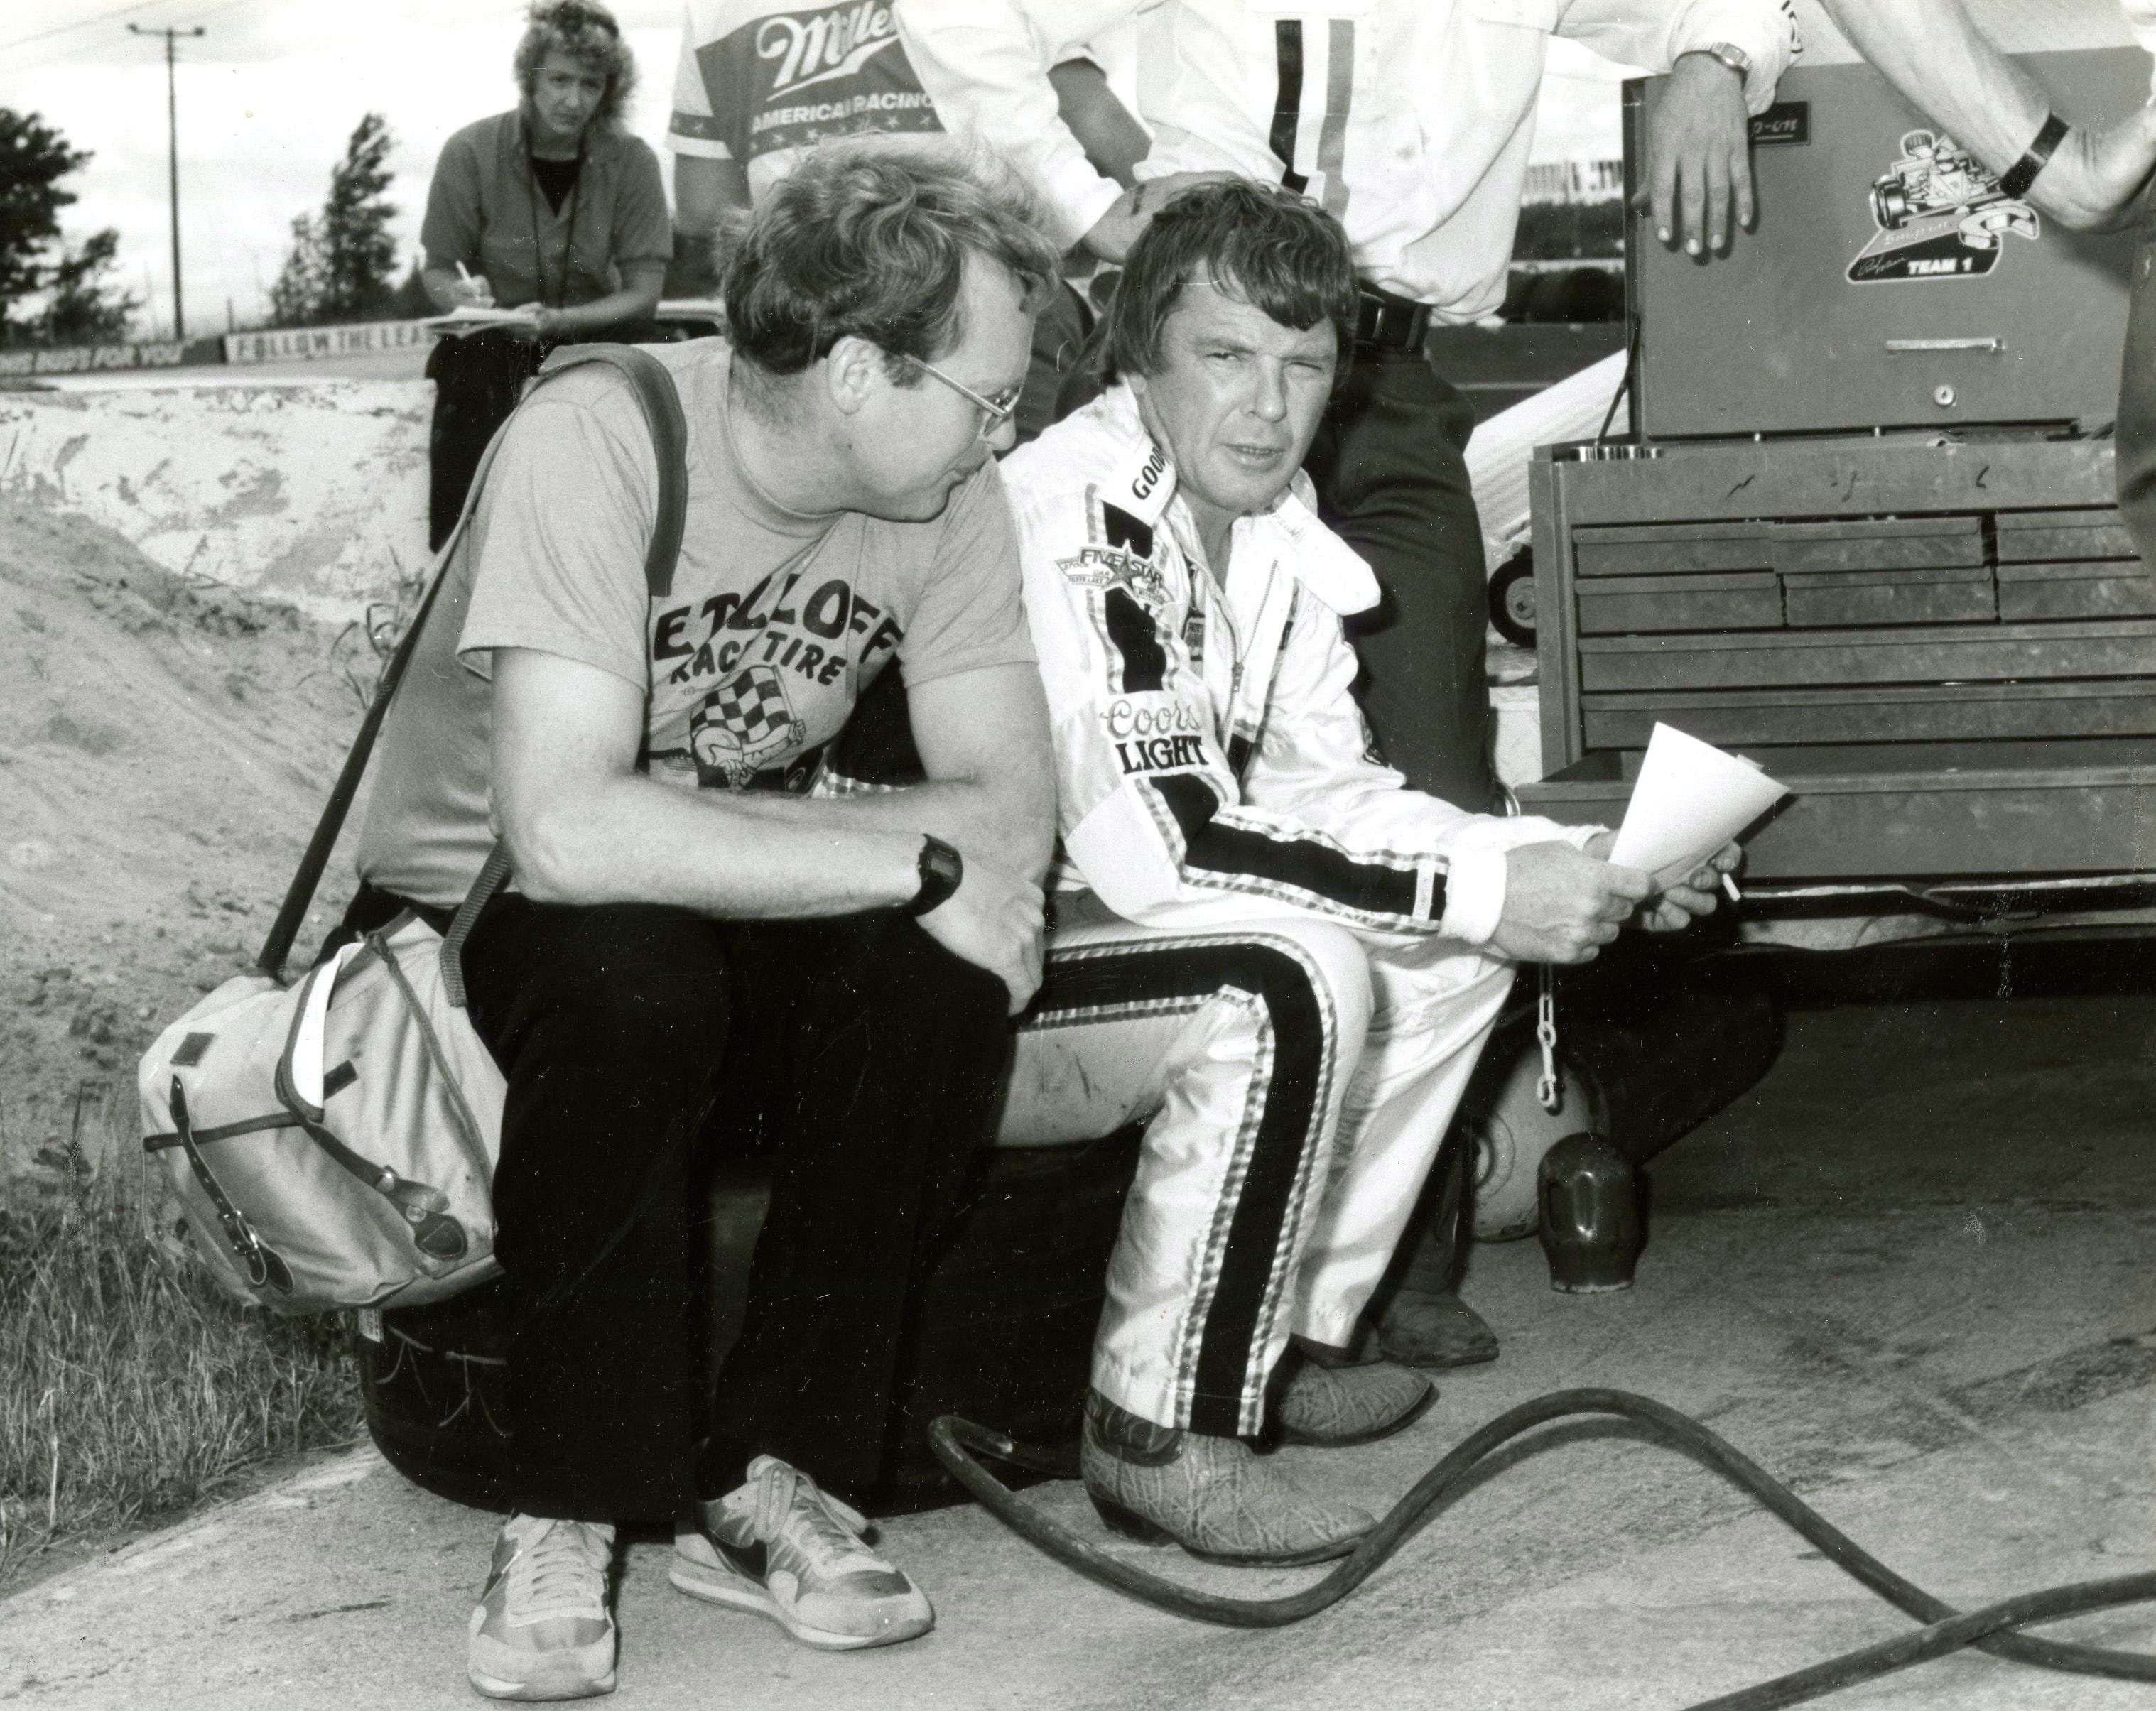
[[1513, 599]]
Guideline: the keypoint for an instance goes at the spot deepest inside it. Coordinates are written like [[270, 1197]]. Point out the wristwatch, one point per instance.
[[941, 870], [1730, 54]]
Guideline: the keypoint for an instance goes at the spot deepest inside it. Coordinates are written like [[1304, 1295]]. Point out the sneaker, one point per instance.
[[783, 1549], [542, 1630]]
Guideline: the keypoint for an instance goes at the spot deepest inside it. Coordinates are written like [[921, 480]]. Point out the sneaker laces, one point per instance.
[[559, 1570], [781, 1503]]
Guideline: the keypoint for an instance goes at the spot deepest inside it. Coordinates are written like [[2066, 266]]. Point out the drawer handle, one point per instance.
[[1912, 347]]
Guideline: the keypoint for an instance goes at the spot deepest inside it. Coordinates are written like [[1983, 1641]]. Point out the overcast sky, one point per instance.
[[268, 95]]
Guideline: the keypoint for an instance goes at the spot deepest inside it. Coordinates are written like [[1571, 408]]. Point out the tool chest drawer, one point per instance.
[[1829, 599], [1670, 549], [2065, 535], [1932, 621], [1731, 600], [1877, 544], [2106, 588], [1917, 655], [1911, 712]]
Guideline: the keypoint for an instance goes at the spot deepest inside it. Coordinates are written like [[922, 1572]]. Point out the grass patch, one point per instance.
[[129, 1388]]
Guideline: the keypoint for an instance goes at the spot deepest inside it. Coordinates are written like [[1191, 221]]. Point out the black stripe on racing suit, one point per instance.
[[1269, 1197], [1211, 848], [1237, 855]]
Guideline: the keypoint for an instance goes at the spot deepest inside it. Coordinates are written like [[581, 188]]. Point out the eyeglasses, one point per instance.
[[993, 415]]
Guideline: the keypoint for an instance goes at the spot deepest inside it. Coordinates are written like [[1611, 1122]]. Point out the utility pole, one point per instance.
[[172, 126]]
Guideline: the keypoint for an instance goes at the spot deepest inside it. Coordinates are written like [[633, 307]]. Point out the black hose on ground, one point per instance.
[[956, 1443]]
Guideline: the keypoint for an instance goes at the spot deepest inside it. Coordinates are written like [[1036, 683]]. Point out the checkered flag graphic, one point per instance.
[[753, 706]]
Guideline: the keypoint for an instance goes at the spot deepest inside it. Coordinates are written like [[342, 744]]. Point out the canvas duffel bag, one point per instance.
[[335, 1140], [331, 1144]]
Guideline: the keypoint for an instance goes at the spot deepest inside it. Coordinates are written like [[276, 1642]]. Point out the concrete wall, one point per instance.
[[314, 494]]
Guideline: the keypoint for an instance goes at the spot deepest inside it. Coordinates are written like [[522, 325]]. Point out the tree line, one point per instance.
[[341, 265]]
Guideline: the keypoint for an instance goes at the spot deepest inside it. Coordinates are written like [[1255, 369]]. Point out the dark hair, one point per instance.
[[586, 32], [870, 241], [1276, 250]]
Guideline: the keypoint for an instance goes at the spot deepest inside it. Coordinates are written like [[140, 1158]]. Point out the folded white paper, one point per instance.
[[1691, 799]]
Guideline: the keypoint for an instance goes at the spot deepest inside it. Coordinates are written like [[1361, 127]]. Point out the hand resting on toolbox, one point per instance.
[[1699, 158], [1562, 906]]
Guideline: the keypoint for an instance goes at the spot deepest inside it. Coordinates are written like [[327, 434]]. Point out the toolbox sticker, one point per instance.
[[1941, 216], [1785, 122]]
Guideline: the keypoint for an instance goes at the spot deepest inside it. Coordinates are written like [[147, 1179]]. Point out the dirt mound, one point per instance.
[[164, 748]]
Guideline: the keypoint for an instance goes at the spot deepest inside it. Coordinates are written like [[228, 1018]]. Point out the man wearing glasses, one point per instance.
[[698, 937]]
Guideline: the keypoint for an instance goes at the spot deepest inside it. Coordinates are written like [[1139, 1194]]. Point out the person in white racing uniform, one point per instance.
[[1266, 946]]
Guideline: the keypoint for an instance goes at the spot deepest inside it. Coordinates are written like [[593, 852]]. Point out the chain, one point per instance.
[[1547, 1088]]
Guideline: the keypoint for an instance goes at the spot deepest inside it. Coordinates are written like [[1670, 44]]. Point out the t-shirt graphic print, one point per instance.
[[756, 80]]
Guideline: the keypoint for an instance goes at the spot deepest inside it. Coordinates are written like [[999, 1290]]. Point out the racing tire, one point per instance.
[[1002, 1332]]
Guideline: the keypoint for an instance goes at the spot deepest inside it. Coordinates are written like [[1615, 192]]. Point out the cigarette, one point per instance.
[[463, 273], [1729, 885]]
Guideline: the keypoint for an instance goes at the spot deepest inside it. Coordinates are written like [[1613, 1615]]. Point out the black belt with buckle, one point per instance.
[[1388, 322]]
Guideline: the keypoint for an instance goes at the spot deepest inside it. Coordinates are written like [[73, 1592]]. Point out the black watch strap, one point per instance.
[[941, 870], [2017, 178]]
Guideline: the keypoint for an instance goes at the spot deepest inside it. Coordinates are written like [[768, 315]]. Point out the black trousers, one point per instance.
[[1390, 466], [478, 378], [866, 1060], [2136, 399]]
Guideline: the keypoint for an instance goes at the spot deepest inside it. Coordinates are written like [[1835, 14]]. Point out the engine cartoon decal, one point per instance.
[[1941, 216], [742, 727]]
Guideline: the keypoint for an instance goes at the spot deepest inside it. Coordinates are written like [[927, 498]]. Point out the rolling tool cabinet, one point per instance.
[[1946, 649]]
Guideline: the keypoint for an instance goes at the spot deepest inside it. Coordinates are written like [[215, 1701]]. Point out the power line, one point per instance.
[[172, 118], [73, 49], [82, 24]]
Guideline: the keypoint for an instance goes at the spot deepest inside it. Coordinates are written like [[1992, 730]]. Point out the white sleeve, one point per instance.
[[1315, 762], [1653, 32], [693, 128], [985, 64]]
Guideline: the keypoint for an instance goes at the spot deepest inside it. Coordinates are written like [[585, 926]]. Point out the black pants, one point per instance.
[[1390, 466], [478, 378], [636, 1040], [2136, 399]]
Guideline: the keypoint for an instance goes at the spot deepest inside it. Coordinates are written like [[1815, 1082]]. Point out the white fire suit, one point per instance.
[[1265, 947]]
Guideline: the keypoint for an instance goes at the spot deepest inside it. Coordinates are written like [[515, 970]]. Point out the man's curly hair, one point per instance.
[[586, 32], [870, 241]]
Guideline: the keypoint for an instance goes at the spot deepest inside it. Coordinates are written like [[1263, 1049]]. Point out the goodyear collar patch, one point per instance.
[[1142, 481]]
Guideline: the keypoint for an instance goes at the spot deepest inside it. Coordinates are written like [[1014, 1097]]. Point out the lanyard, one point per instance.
[[538, 236]]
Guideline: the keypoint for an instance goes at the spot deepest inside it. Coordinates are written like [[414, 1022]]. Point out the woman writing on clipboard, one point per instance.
[[551, 211]]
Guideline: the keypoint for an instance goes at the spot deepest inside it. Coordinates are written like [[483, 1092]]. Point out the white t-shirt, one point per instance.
[[775, 625]]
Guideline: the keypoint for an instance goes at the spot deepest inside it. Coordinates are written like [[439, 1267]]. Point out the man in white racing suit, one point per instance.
[[1265, 945], [1411, 121]]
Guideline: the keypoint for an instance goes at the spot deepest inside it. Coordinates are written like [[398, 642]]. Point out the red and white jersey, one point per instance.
[[1410, 120], [1212, 765]]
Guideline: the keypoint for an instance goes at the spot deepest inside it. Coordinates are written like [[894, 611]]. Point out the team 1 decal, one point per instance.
[[1941, 216]]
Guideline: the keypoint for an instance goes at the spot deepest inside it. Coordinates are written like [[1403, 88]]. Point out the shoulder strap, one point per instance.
[[670, 438]]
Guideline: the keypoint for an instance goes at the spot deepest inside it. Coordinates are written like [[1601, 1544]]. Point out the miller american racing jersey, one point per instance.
[[1212, 765]]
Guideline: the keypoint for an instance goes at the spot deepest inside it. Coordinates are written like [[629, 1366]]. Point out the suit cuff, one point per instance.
[[1474, 895], [1766, 32]]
